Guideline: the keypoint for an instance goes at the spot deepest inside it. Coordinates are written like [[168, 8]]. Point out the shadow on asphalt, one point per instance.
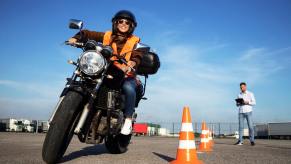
[[223, 143], [164, 157], [278, 147], [90, 150]]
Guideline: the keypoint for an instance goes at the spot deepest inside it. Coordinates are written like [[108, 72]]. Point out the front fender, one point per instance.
[[76, 88]]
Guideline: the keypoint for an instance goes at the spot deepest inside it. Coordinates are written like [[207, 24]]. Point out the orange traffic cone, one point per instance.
[[186, 152], [204, 144]]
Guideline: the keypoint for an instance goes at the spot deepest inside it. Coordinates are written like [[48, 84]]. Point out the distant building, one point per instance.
[[245, 132], [140, 129], [163, 132], [44, 126], [11, 125], [14, 125], [27, 125], [153, 129], [150, 129], [275, 130], [40, 126], [261, 131]]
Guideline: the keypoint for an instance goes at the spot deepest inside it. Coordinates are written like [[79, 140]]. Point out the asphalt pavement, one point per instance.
[[26, 148]]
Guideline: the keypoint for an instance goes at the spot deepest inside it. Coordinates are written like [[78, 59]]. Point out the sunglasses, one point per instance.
[[121, 21]]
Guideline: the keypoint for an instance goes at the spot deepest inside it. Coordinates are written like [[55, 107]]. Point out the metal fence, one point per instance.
[[218, 128]]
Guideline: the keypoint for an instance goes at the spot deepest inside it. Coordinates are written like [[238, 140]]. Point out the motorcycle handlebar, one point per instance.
[[76, 44]]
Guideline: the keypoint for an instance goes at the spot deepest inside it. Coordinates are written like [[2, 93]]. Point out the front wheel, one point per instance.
[[117, 144], [62, 127]]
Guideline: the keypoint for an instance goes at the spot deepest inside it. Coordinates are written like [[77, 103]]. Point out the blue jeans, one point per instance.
[[129, 89], [248, 117]]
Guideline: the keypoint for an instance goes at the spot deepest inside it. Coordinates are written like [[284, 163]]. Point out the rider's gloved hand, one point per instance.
[[131, 63], [72, 40], [126, 69]]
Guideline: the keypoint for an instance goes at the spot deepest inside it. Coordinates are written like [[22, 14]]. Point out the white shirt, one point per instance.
[[247, 96]]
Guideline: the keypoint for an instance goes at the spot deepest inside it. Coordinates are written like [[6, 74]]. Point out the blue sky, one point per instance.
[[206, 48]]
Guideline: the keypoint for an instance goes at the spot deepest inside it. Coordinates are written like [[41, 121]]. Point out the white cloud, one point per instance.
[[186, 78], [29, 100], [69, 52], [260, 63], [252, 54], [30, 108], [44, 90]]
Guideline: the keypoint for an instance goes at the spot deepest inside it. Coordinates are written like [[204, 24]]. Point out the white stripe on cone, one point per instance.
[[205, 131], [186, 127], [187, 144], [204, 139]]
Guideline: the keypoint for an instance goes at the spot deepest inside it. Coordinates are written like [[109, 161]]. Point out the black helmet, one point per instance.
[[124, 14]]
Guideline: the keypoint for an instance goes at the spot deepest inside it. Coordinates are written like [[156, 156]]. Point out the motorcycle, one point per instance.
[[92, 103]]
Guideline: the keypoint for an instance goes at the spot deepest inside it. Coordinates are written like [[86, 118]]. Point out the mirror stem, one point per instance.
[[81, 34]]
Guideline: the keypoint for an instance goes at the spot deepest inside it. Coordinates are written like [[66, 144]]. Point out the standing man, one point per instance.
[[245, 102]]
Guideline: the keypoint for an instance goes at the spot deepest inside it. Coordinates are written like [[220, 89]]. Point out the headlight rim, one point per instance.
[[100, 58]]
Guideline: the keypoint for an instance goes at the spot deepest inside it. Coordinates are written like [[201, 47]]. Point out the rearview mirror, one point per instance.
[[142, 48], [75, 24]]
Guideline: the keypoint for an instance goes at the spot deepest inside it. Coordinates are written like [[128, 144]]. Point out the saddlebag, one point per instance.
[[150, 64]]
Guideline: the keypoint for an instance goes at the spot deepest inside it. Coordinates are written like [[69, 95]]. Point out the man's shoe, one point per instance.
[[253, 143], [238, 143], [127, 127]]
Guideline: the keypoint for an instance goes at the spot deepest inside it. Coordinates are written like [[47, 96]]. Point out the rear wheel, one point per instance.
[[62, 127], [117, 144]]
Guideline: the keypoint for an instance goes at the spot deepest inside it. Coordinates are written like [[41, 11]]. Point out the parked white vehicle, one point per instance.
[[236, 135], [11, 124], [163, 132]]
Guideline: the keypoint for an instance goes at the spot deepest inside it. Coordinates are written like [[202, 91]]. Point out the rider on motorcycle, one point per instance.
[[122, 41]]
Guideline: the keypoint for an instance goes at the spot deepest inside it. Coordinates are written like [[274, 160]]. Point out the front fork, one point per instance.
[[89, 105], [87, 108]]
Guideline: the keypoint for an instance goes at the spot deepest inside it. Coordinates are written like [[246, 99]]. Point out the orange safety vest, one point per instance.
[[127, 49]]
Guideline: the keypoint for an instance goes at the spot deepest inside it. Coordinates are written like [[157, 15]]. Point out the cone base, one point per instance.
[[186, 156], [203, 148], [186, 162], [207, 151]]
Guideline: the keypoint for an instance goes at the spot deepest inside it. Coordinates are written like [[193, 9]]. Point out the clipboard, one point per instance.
[[239, 101]]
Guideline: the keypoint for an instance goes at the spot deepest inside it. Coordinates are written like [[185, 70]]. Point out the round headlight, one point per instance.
[[92, 63]]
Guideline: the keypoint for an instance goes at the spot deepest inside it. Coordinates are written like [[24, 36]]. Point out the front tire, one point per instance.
[[117, 144], [62, 127]]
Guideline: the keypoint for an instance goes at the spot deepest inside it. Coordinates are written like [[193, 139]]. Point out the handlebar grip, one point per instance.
[[79, 44], [76, 44], [123, 61], [67, 42]]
